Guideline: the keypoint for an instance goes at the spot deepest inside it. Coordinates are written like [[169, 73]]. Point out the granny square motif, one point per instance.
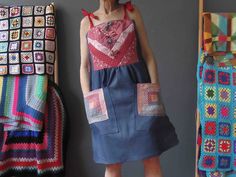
[[209, 145], [210, 128], [210, 93], [209, 161], [27, 40], [224, 129]]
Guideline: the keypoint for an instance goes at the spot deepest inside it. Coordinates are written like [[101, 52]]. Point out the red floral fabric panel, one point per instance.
[[113, 44]]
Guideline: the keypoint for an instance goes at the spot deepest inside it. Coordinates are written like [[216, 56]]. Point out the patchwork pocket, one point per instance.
[[95, 106], [100, 112], [148, 100], [148, 105]]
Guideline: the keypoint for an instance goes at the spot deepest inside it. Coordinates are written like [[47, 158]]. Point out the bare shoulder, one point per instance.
[[135, 13], [84, 24]]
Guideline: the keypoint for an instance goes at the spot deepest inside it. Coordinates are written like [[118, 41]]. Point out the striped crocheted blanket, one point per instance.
[[22, 101], [36, 153]]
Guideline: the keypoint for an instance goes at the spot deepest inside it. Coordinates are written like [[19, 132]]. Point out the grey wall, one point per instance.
[[172, 29]]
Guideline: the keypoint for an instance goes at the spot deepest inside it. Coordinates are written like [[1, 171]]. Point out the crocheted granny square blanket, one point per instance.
[[216, 77], [27, 39]]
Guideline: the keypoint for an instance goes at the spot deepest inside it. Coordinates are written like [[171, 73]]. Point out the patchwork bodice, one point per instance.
[[112, 43]]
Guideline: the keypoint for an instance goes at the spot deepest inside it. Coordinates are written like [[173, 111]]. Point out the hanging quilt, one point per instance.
[[218, 118], [219, 33], [31, 110], [22, 101], [217, 96], [27, 39], [26, 152]]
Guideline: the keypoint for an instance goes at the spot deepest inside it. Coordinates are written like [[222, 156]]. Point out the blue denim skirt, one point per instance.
[[122, 116]]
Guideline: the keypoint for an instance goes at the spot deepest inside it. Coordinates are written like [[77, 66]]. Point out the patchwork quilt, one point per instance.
[[216, 77], [219, 32]]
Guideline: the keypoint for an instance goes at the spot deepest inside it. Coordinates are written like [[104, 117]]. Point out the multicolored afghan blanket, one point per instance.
[[34, 153], [22, 101], [27, 40], [219, 33], [31, 110], [217, 106], [217, 96]]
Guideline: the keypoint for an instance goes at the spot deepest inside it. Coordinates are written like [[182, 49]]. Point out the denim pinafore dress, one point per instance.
[[123, 108]]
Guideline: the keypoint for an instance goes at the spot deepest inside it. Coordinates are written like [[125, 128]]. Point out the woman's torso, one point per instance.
[[114, 53]]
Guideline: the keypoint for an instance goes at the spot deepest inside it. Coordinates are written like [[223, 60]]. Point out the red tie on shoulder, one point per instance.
[[86, 13], [90, 15], [129, 6]]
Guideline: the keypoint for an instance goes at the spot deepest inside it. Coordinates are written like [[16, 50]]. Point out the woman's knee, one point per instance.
[[116, 166], [152, 161]]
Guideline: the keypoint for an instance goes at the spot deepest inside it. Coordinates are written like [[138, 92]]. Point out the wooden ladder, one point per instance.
[[56, 76], [200, 20]]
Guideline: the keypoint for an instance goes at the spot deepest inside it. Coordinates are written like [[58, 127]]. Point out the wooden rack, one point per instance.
[[56, 79], [201, 10]]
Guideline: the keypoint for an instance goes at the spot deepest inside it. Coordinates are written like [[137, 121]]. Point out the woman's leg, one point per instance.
[[113, 170], [152, 167]]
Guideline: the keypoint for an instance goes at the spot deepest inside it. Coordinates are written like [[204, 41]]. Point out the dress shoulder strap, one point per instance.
[[90, 16], [127, 6]]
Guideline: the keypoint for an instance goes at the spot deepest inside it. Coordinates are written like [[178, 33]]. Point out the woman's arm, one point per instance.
[[84, 64], [145, 47]]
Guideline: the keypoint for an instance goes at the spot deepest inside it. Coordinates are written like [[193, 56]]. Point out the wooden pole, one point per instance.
[[200, 20], [56, 79]]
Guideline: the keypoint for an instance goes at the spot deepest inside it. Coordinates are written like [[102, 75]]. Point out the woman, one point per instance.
[[120, 85]]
